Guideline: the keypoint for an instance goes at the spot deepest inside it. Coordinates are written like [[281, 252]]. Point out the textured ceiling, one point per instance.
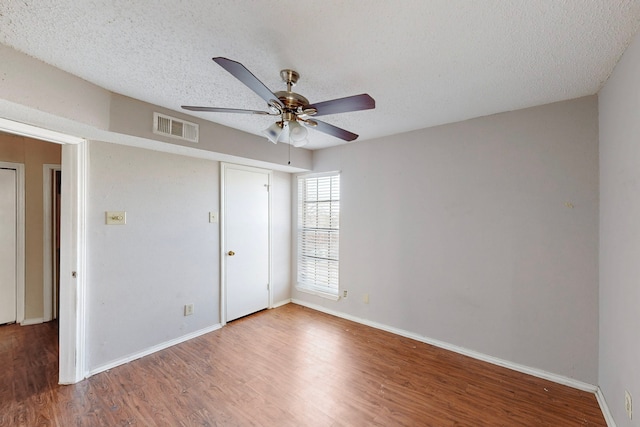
[[425, 62]]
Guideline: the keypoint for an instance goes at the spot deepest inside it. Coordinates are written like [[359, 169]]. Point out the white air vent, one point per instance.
[[175, 128]]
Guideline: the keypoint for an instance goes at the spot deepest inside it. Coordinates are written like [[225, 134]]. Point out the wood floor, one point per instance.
[[290, 366]]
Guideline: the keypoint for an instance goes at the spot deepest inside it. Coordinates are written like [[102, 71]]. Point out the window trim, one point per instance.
[[316, 292]]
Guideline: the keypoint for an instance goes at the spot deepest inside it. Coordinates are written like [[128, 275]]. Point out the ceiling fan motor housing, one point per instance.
[[294, 103]]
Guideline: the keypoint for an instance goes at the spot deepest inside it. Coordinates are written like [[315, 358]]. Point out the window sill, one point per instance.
[[332, 297]]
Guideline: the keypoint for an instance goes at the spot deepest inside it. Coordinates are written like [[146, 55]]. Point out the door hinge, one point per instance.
[[267, 286], [267, 186]]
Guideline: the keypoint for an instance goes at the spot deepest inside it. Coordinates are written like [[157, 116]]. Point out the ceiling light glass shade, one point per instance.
[[284, 136], [273, 132], [297, 133]]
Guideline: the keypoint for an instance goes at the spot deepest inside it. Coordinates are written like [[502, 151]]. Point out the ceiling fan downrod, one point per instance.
[[290, 77]]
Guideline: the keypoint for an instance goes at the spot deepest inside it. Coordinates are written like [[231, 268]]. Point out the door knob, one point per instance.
[[231, 253]]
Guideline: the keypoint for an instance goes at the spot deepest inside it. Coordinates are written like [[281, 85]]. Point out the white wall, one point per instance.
[[140, 275], [619, 107], [482, 234]]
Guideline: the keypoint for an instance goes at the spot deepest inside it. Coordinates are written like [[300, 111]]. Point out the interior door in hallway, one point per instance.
[[8, 242], [245, 221]]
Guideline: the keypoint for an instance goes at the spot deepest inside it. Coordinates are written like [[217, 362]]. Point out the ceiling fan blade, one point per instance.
[[343, 105], [334, 131], [225, 110], [245, 76]]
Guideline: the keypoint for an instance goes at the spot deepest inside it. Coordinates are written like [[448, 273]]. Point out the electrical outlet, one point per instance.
[[628, 404], [188, 309], [365, 298], [344, 294]]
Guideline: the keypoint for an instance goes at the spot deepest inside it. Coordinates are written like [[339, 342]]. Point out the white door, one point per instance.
[[8, 230], [245, 220]]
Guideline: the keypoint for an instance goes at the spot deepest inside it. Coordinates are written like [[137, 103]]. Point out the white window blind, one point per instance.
[[319, 233]]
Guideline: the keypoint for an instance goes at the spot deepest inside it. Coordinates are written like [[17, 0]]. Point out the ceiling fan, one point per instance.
[[294, 110]]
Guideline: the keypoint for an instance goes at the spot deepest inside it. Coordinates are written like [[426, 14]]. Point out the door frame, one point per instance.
[[73, 246], [20, 237], [223, 276], [73, 263], [48, 292]]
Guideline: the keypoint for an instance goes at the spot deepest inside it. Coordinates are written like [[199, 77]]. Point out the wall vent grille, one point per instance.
[[175, 128]]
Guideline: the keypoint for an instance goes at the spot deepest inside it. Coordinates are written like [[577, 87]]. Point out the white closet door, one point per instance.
[[246, 223], [8, 230]]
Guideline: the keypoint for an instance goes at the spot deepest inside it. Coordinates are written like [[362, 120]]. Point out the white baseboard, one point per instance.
[[281, 303], [153, 349], [605, 408], [560, 379], [33, 321]]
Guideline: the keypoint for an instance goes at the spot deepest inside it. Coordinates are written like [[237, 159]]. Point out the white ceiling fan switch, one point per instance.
[[213, 217], [116, 217]]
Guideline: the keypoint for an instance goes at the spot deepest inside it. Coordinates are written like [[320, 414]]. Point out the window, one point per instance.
[[319, 233]]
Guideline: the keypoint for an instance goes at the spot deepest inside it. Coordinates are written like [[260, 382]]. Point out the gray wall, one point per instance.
[[140, 275], [619, 106], [482, 234]]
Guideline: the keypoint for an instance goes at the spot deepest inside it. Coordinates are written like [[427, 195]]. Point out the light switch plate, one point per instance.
[[213, 217], [116, 217]]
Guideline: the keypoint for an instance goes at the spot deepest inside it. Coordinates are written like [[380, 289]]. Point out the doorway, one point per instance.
[[51, 190], [72, 271], [57, 197], [245, 242]]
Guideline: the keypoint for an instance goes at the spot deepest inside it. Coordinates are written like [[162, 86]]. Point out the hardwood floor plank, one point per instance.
[[290, 366]]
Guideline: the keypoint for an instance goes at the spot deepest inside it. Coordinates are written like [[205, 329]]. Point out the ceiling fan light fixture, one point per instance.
[[297, 132], [273, 132]]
